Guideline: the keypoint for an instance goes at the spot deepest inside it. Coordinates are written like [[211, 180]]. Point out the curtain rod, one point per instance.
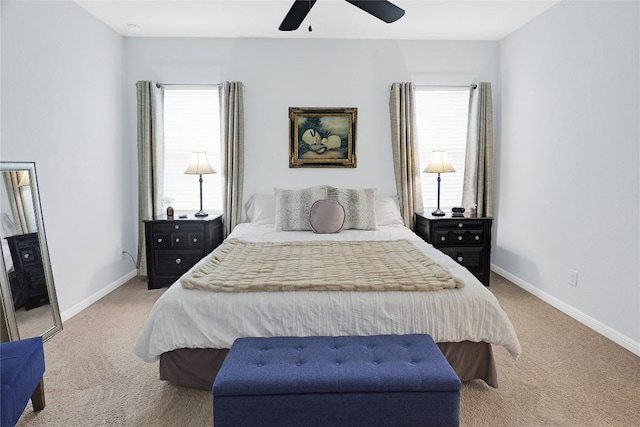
[[472, 85], [188, 84]]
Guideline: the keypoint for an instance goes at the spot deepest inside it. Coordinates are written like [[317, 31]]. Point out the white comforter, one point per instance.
[[187, 318]]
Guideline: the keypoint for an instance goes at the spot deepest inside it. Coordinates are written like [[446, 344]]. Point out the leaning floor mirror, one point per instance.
[[29, 303]]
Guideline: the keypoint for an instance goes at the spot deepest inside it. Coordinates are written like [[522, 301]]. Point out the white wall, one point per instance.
[[63, 107], [568, 162], [279, 74]]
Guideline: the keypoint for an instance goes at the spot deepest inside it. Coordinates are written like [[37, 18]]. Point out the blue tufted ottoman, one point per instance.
[[382, 380], [21, 370]]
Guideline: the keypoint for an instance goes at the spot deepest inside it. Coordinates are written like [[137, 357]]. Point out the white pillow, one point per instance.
[[261, 209], [359, 207], [293, 207], [388, 211]]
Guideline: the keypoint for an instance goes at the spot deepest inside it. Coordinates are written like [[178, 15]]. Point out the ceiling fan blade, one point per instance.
[[381, 9], [296, 15]]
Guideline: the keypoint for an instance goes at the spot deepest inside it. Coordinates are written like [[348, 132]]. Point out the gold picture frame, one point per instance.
[[322, 137]]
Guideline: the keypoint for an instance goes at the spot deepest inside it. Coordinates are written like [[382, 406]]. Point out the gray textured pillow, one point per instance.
[[359, 207], [293, 207], [326, 216]]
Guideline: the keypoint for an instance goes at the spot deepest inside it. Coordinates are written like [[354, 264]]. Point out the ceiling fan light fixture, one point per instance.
[[381, 9]]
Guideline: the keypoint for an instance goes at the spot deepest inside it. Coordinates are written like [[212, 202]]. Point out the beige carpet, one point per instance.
[[568, 375]]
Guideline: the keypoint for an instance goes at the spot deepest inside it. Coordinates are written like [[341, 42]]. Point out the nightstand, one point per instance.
[[31, 286], [175, 245], [466, 239]]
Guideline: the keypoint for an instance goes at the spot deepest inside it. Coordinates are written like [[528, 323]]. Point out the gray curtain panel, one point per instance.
[[150, 159], [404, 140], [477, 191], [232, 116], [21, 201]]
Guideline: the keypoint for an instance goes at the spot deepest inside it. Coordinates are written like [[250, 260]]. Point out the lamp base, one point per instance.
[[201, 214], [438, 212]]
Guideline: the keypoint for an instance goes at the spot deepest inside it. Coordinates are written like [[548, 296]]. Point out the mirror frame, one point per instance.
[[5, 287]]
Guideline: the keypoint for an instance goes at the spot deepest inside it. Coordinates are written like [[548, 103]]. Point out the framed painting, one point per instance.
[[322, 137]]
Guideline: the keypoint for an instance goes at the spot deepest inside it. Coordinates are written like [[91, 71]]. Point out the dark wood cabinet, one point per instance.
[[466, 239], [175, 245], [28, 285]]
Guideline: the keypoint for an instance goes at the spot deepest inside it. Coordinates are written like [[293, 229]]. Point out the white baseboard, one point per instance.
[[601, 328], [69, 313]]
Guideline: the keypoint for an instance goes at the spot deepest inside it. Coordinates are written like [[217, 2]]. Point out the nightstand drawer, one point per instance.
[[176, 261], [177, 227], [30, 256], [457, 237], [178, 240], [161, 240], [468, 225], [476, 236], [469, 257], [37, 284], [196, 240]]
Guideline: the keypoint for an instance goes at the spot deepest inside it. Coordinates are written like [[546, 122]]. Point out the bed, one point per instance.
[[189, 331]]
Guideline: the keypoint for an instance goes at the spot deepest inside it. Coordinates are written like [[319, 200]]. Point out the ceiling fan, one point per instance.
[[381, 9]]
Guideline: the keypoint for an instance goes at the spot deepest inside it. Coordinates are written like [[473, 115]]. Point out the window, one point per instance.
[[191, 123], [441, 121]]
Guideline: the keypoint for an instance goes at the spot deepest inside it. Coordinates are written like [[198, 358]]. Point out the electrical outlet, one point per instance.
[[122, 253], [573, 277]]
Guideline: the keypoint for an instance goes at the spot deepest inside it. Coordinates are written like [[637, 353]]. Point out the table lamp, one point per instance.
[[439, 163], [199, 166]]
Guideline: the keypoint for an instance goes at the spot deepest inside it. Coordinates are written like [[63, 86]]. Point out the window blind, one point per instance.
[[191, 123], [441, 121]]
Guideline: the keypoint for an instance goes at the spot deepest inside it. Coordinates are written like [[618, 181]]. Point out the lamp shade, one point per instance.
[[439, 163], [199, 164]]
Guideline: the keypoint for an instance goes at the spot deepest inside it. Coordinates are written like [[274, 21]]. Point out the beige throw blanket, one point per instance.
[[385, 265]]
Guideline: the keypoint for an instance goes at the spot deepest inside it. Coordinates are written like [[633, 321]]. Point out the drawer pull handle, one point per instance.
[[443, 238], [26, 256], [178, 260], [160, 240], [177, 227], [460, 259], [460, 224], [477, 237], [459, 237], [177, 240], [195, 240]]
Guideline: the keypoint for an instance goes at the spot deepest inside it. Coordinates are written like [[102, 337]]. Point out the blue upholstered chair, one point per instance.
[[21, 370]]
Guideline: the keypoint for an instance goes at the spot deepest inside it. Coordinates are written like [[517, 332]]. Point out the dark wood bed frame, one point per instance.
[[197, 367]]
